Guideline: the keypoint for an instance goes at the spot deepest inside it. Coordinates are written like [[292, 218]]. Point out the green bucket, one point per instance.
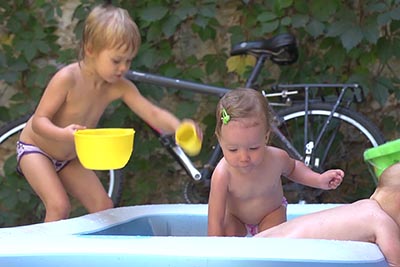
[[383, 156]]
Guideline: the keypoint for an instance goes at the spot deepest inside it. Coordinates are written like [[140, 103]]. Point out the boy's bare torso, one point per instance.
[[254, 194], [80, 102]]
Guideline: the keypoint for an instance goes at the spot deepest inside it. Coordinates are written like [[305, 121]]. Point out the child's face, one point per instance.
[[112, 64], [243, 143]]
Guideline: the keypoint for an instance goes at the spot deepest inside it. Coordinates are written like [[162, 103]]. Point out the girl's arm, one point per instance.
[[217, 201], [297, 171]]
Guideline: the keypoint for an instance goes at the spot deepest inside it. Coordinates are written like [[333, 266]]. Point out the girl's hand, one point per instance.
[[332, 178]]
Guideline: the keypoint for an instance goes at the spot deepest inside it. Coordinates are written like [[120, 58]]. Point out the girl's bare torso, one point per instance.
[[255, 194]]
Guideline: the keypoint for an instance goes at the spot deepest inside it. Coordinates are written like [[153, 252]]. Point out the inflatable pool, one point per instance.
[[169, 235]]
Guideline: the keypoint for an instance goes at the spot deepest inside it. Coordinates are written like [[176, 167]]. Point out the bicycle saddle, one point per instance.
[[282, 48]]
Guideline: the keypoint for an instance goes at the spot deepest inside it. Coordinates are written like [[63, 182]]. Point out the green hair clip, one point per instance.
[[225, 116]]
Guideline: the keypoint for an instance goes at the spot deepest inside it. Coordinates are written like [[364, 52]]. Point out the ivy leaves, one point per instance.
[[239, 64]]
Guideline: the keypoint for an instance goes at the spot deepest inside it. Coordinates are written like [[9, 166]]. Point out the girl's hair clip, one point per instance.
[[225, 116]]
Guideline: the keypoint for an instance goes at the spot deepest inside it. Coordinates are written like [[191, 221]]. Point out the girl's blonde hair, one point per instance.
[[108, 27], [242, 103]]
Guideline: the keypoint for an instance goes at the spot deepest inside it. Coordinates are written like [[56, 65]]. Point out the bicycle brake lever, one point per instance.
[[187, 163], [176, 151]]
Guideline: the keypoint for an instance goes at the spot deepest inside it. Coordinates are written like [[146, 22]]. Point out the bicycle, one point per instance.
[[313, 122]]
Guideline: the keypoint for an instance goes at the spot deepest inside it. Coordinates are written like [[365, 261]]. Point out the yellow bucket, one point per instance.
[[104, 149]]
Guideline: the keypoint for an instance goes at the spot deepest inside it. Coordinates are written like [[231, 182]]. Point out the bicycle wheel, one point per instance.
[[347, 136], [195, 192], [9, 133]]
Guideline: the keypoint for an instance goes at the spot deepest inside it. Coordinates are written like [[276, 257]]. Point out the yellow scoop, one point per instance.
[[186, 137], [104, 149]]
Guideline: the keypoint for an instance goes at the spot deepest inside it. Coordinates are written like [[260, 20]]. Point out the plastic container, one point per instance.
[[104, 149], [383, 156], [186, 137]]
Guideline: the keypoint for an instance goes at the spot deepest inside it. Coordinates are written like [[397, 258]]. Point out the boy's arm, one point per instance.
[[217, 202]]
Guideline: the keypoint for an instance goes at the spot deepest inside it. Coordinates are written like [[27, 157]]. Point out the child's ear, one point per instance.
[[88, 50], [267, 137]]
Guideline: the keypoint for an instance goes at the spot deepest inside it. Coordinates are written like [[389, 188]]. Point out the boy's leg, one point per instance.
[[84, 185], [41, 175]]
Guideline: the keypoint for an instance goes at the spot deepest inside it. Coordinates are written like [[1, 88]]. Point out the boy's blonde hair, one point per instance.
[[243, 103], [108, 27]]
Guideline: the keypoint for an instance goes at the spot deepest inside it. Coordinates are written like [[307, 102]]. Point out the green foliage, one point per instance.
[[339, 41], [29, 43], [19, 204]]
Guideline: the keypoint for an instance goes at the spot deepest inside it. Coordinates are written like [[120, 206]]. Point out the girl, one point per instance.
[[246, 190]]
